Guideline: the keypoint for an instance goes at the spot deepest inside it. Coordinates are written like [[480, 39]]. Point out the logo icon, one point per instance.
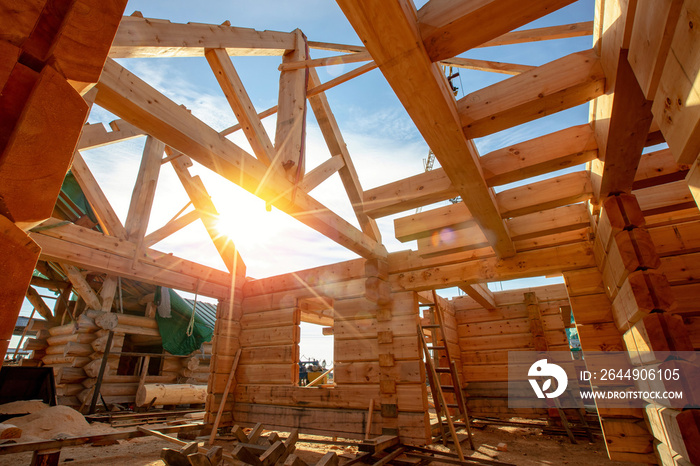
[[541, 369]]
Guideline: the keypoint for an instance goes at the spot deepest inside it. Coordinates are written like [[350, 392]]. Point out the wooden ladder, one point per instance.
[[432, 356]]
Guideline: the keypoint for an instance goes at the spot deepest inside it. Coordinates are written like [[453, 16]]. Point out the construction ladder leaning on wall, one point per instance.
[[432, 353]]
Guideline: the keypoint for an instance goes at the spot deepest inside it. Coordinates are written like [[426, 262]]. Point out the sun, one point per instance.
[[246, 223]]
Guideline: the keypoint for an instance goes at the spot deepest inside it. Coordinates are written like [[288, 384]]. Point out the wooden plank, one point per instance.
[[240, 103], [143, 37], [106, 217], [430, 103], [449, 28], [675, 105], [360, 70], [336, 145], [173, 124], [550, 88]]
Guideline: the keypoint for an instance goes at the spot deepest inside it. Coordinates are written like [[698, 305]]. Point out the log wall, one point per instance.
[[377, 356], [486, 337]]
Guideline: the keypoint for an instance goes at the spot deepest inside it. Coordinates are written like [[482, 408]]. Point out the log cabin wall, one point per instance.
[[487, 335], [642, 297], [377, 356]]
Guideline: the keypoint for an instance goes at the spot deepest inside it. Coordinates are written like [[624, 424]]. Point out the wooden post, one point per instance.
[[231, 376]]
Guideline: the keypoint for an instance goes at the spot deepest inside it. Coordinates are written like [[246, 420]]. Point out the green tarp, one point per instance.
[[173, 330]]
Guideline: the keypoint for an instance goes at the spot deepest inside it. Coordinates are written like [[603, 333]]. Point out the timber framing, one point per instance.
[[606, 200]]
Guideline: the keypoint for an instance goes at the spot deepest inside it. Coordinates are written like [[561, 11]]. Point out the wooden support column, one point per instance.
[[224, 347], [534, 315], [291, 112], [109, 288]]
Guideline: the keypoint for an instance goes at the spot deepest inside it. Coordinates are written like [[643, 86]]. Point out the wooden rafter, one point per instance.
[[449, 27], [240, 103], [486, 65], [328, 61], [106, 217], [336, 145], [555, 151], [126, 95], [95, 135], [146, 37], [82, 287], [206, 210], [321, 173], [429, 101], [564, 83], [480, 293], [170, 228], [524, 264], [144, 190]]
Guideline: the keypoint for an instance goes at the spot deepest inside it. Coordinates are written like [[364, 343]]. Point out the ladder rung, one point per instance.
[[436, 347], [450, 405], [443, 370], [447, 388], [430, 326]]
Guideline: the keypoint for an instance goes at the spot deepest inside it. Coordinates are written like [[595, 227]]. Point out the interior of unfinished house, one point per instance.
[[355, 232]]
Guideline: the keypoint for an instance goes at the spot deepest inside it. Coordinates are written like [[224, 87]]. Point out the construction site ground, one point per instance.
[[525, 446]]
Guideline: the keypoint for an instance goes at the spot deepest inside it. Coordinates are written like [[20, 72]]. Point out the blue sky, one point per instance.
[[382, 140]]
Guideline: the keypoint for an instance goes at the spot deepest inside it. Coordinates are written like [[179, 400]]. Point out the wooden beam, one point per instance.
[[563, 31], [206, 209], [486, 65], [693, 180], [654, 26], [535, 197], [360, 70], [449, 28], [421, 87], [109, 288], [126, 95], [480, 293], [39, 304], [144, 190], [547, 89], [676, 106], [524, 264], [146, 37], [264, 114], [106, 217], [240, 103], [95, 135], [533, 226], [542, 195], [290, 134], [81, 286], [622, 138], [328, 61], [336, 145], [321, 173], [555, 151], [72, 244], [171, 227]]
